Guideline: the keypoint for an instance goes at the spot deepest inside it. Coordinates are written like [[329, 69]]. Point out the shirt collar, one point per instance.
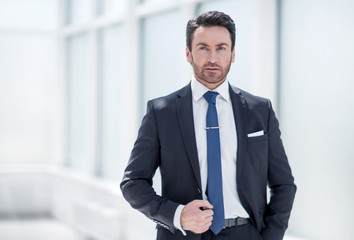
[[198, 90]]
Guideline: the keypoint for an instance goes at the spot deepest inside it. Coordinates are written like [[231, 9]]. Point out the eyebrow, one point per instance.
[[219, 44]]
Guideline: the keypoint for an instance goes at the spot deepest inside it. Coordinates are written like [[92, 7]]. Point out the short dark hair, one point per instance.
[[211, 18]]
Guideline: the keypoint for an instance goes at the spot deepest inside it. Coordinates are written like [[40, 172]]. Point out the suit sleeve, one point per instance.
[[136, 185], [280, 182]]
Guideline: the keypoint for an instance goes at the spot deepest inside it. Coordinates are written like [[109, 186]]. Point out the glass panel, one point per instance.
[[161, 54], [243, 12], [112, 7], [28, 68], [78, 96], [111, 75], [154, 1], [79, 11], [316, 106], [161, 59], [41, 14]]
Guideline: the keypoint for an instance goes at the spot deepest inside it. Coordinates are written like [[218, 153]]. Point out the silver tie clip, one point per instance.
[[212, 128]]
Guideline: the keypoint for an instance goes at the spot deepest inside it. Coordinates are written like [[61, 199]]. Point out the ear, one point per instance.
[[233, 56], [189, 55]]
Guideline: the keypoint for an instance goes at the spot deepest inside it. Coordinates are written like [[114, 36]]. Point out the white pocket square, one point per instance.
[[256, 134]]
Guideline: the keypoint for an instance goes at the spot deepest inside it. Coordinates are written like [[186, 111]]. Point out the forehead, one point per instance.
[[211, 35]]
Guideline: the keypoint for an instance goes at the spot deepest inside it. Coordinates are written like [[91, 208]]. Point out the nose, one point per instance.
[[212, 57]]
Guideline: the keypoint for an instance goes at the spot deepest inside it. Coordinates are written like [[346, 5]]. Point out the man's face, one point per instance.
[[211, 55]]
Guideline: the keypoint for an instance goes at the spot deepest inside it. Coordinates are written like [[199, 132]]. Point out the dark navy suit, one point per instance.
[[166, 140]]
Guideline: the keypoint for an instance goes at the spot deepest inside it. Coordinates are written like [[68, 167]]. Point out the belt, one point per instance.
[[231, 222]]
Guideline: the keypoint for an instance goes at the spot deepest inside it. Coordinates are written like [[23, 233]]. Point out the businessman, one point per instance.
[[217, 147]]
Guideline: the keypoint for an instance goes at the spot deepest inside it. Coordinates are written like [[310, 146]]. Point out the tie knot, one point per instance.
[[210, 97]]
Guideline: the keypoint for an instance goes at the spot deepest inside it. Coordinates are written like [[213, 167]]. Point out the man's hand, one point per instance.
[[196, 216]]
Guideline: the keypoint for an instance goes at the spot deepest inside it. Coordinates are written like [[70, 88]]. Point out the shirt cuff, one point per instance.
[[177, 219]]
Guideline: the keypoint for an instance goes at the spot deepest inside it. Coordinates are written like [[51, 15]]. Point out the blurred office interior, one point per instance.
[[75, 76]]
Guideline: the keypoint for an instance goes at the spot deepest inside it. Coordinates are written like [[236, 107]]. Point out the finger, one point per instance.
[[202, 229], [203, 203], [207, 213], [206, 226], [209, 219]]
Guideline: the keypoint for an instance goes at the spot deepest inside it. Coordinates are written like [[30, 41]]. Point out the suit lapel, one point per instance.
[[239, 106], [186, 123]]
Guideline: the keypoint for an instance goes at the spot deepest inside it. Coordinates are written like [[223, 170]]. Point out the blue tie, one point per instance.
[[214, 182]]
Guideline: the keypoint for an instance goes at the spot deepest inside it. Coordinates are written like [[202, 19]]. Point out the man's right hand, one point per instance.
[[196, 216]]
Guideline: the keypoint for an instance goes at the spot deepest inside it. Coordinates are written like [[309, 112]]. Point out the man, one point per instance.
[[217, 148]]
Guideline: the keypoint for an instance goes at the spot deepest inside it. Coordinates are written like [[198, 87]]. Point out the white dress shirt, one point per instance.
[[228, 147]]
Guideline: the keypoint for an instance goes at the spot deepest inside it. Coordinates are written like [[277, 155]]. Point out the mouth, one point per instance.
[[212, 69]]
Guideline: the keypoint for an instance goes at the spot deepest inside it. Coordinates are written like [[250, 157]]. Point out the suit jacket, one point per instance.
[[166, 139]]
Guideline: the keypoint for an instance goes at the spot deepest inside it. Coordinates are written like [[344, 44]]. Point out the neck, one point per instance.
[[210, 85]]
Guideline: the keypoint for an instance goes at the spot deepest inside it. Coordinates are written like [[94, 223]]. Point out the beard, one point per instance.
[[208, 77]]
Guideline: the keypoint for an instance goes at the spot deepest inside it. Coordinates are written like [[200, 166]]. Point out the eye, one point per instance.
[[221, 48]]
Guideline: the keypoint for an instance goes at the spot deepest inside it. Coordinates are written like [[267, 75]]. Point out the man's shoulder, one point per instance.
[[249, 97], [165, 101], [255, 105]]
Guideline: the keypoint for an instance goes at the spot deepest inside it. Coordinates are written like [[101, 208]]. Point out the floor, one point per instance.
[[44, 229], [41, 229]]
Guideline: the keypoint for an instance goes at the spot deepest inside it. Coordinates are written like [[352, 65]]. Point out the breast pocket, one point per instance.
[[257, 149]]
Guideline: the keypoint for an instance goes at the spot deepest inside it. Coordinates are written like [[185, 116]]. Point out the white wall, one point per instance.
[[317, 114]]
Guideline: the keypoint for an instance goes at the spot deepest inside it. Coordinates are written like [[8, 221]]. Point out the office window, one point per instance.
[[28, 73], [111, 7], [155, 1], [111, 77], [79, 11], [161, 46], [316, 107], [38, 14], [78, 102]]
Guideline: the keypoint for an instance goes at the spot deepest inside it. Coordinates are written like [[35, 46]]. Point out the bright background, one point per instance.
[[75, 76]]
